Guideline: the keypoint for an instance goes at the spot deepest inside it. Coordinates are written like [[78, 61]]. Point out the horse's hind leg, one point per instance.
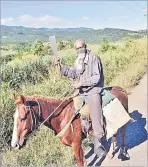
[[114, 142], [123, 154]]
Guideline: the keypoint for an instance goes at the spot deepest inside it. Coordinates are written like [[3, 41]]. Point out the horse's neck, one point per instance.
[[49, 106], [53, 108], [60, 113]]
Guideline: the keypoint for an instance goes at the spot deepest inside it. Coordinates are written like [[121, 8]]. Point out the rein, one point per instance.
[[56, 107]]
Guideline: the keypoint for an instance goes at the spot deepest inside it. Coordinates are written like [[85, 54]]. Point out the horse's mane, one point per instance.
[[48, 99], [52, 100]]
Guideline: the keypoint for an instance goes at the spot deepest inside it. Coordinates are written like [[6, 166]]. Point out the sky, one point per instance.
[[71, 14]]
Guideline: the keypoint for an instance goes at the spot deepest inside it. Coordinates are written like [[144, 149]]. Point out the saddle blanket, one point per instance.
[[114, 113]]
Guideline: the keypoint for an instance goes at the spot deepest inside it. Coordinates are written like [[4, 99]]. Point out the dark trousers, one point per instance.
[[94, 103]]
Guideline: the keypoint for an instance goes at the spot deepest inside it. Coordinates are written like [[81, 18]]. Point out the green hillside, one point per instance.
[[11, 34]]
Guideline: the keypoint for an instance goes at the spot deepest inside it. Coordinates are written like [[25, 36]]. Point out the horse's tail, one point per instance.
[[122, 95]]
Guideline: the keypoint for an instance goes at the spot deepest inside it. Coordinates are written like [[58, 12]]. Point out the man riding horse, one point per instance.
[[55, 113], [89, 80]]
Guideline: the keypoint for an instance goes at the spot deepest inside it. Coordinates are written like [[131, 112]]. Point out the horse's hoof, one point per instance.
[[123, 155]]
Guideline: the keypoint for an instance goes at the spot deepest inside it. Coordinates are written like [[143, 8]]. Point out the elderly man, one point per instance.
[[88, 73]]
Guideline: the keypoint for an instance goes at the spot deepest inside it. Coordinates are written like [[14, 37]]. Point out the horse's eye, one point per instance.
[[24, 117]]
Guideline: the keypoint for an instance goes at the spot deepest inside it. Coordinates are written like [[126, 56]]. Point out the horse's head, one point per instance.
[[22, 122]]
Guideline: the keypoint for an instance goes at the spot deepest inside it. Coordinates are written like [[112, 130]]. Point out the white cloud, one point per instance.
[[124, 17], [49, 21], [109, 18], [40, 21], [142, 26], [85, 18], [145, 10], [8, 20]]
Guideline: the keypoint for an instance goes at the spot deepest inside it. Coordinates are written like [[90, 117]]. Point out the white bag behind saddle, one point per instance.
[[116, 116]]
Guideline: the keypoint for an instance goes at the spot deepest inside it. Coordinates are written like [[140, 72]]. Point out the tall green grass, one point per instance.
[[41, 151], [123, 67], [27, 71]]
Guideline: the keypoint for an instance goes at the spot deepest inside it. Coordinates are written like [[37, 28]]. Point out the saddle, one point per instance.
[[81, 102]]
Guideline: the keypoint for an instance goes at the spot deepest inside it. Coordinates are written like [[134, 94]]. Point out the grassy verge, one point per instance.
[[40, 151]]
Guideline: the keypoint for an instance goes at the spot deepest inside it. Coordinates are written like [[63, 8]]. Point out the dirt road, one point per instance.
[[136, 133]]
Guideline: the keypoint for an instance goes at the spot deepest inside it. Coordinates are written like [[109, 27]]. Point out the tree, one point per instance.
[[105, 45], [70, 44], [38, 48], [61, 45], [47, 50]]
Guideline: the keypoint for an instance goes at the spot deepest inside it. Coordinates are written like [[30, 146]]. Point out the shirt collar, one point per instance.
[[86, 57], [81, 51]]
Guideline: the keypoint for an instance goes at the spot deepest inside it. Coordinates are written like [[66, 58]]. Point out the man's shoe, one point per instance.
[[99, 149], [100, 152]]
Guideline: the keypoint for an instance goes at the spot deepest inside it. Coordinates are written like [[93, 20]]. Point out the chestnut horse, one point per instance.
[[34, 109]]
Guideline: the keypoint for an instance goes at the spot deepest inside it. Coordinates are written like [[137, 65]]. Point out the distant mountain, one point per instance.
[[21, 28], [144, 31], [24, 34], [65, 29]]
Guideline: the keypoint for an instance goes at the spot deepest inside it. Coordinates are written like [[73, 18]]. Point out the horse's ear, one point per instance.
[[19, 99], [22, 99], [14, 96]]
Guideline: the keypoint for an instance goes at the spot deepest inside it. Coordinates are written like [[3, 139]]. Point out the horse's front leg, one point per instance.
[[78, 151], [113, 146]]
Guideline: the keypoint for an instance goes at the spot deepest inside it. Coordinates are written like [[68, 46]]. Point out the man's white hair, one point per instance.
[[79, 43]]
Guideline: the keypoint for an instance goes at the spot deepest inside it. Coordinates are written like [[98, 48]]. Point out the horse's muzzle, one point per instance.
[[18, 144], [15, 145]]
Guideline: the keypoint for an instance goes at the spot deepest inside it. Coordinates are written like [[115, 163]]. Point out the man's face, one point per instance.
[[79, 44]]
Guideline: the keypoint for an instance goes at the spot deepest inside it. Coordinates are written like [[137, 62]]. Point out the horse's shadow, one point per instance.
[[135, 135]]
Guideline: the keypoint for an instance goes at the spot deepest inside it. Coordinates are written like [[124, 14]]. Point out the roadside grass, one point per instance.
[[133, 71], [41, 151]]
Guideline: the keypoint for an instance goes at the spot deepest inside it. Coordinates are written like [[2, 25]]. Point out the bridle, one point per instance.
[[36, 117]]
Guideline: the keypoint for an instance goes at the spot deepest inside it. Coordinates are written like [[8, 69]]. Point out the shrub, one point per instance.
[[38, 48], [104, 46], [65, 45], [129, 43], [61, 45], [6, 118], [6, 58], [29, 71]]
